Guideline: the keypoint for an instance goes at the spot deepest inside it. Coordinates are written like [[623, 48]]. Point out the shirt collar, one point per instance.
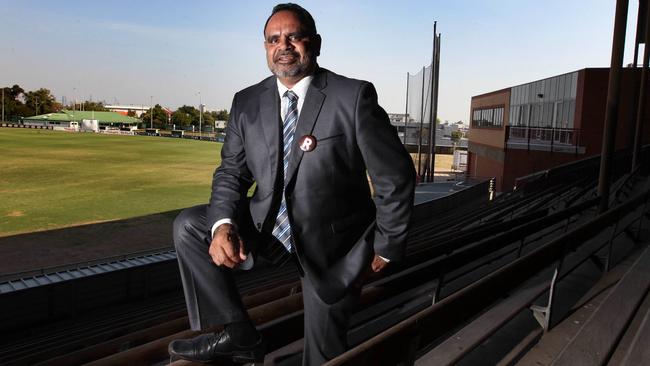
[[300, 88]]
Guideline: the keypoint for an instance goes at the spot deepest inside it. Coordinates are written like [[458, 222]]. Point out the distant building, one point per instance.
[[412, 128], [444, 143], [72, 119], [539, 125], [124, 109], [396, 118], [139, 110]]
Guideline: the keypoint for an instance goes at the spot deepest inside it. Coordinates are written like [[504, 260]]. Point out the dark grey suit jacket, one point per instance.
[[335, 224]]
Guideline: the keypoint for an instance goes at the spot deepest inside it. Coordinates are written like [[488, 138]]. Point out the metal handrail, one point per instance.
[[546, 136]]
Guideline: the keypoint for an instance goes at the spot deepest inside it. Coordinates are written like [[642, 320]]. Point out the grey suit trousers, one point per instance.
[[213, 299]]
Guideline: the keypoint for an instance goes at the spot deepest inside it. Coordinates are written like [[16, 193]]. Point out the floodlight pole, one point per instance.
[[429, 177], [74, 101], [433, 115], [421, 128], [3, 104], [406, 110], [151, 115], [200, 116]]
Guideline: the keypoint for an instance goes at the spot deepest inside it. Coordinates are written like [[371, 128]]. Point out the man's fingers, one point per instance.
[[220, 258], [242, 250], [378, 264], [216, 258], [229, 246], [224, 259]]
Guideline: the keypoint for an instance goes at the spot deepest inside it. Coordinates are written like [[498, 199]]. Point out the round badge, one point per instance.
[[307, 143]]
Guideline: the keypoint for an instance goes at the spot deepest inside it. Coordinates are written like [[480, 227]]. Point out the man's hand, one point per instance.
[[378, 264], [227, 247]]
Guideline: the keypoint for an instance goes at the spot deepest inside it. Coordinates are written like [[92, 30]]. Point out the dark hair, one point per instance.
[[303, 15]]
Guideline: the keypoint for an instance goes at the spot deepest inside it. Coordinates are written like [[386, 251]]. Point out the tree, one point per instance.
[[159, 117], [14, 107], [181, 119], [41, 101], [131, 113], [456, 136], [208, 119], [15, 91], [221, 115], [93, 106], [191, 112]]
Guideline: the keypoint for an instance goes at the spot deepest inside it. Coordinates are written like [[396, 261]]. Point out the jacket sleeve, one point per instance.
[[232, 179], [391, 171]]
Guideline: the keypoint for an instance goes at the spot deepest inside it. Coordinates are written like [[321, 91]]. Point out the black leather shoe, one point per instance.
[[207, 348]]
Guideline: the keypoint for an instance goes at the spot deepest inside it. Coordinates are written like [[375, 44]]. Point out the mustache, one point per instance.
[[287, 53]]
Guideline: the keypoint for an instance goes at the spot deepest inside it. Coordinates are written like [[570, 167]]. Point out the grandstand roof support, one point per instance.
[[638, 132], [611, 111]]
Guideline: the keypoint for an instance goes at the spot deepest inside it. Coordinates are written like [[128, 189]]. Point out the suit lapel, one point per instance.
[[270, 118], [308, 116]]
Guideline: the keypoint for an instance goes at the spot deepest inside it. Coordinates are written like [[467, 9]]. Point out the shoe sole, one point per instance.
[[236, 357]]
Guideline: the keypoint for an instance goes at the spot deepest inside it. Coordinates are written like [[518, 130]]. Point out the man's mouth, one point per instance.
[[286, 58]]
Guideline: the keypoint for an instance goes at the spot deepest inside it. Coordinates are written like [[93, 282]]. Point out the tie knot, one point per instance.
[[291, 95]]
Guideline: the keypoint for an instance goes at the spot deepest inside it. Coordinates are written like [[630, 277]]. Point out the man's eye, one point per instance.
[[296, 37], [272, 40]]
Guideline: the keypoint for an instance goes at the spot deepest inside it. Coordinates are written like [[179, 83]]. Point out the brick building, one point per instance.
[[535, 126]]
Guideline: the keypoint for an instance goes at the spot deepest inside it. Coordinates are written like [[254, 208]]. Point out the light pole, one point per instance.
[[200, 116], [151, 110], [74, 98], [3, 104]]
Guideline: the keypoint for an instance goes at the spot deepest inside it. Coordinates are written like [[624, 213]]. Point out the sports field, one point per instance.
[[54, 179]]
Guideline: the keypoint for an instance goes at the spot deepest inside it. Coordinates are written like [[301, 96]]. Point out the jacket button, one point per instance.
[[259, 226]]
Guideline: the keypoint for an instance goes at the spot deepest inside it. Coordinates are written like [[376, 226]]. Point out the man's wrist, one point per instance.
[[221, 222], [226, 226]]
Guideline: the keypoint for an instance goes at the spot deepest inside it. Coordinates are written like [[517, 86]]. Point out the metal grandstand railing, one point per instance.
[[544, 138], [399, 344]]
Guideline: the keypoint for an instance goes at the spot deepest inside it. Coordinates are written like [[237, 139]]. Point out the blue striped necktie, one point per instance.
[[282, 228]]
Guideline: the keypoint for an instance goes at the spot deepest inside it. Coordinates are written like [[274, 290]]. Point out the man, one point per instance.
[[307, 137]]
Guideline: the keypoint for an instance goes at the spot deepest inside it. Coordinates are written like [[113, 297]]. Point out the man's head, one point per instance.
[[291, 42]]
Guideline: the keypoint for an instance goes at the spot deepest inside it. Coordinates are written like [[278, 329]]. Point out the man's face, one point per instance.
[[290, 52]]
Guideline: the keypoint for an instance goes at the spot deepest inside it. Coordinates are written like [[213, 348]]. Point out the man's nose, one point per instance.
[[286, 43]]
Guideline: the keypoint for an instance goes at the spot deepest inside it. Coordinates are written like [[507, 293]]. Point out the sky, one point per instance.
[[186, 52]]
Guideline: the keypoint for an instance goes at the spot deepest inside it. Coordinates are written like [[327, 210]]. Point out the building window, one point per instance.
[[487, 117], [547, 103]]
